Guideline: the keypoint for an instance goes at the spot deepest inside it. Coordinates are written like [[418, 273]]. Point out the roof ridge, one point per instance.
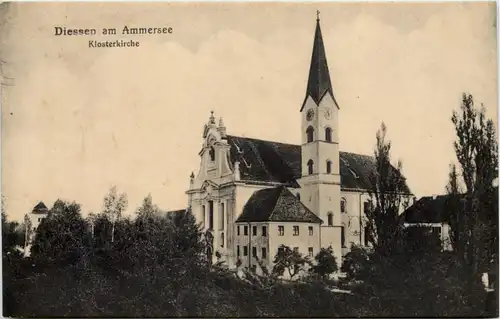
[[276, 202], [259, 139], [291, 144]]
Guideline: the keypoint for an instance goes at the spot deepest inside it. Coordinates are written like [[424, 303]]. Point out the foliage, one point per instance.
[[325, 263], [290, 260], [356, 263], [155, 267], [62, 235], [114, 205], [473, 210], [147, 209], [389, 195], [11, 235], [420, 285]]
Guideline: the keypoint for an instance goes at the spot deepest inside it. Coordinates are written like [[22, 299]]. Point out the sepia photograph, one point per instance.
[[279, 159]]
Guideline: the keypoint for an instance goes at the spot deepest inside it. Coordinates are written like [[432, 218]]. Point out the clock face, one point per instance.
[[328, 113], [310, 114]]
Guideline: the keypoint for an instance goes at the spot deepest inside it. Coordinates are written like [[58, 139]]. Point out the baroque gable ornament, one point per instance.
[[328, 113], [310, 114]]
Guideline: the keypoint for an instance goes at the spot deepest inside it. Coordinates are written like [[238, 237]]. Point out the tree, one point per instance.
[[290, 260], [187, 237], [325, 263], [27, 231], [9, 235], [91, 219], [473, 211], [356, 263], [63, 235], [147, 209], [114, 205], [389, 195]]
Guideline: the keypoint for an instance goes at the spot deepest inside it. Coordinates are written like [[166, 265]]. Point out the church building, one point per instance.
[[255, 195]]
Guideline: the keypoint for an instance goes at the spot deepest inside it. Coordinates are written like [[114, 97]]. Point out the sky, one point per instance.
[[77, 120]]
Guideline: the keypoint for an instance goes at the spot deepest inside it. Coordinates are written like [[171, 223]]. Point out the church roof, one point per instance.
[[273, 162], [319, 82], [276, 204]]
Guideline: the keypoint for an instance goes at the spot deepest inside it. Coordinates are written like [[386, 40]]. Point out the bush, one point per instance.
[[356, 263]]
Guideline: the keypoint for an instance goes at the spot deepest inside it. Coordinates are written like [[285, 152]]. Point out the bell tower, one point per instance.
[[320, 180]]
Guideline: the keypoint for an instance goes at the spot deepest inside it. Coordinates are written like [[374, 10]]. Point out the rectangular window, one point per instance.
[[254, 251], [254, 231], [39, 219], [342, 236], [238, 230], [264, 253], [238, 250], [245, 251], [280, 250], [281, 230], [245, 230], [310, 252], [310, 230], [210, 215], [295, 230], [264, 231]]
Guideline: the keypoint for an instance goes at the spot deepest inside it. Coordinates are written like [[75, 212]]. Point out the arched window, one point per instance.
[[342, 236], [298, 196], [310, 167], [203, 215], [310, 134], [328, 167], [212, 153], [221, 219], [328, 134], [330, 219], [342, 205]]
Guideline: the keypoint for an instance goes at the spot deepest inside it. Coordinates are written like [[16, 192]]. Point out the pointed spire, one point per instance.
[[319, 82]]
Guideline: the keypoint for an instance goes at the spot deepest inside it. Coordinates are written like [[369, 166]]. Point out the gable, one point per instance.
[[273, 162]]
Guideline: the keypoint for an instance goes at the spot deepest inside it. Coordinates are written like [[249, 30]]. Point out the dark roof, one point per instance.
[[276, 204], [434, 209], [428, 209], [266, 161], [40, 208], [319, 82], [175, 211]]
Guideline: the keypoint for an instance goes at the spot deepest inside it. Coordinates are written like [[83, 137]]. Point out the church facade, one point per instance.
[[255, 195]]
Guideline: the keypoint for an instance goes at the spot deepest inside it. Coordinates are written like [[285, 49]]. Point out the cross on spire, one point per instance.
[[317, 15]]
